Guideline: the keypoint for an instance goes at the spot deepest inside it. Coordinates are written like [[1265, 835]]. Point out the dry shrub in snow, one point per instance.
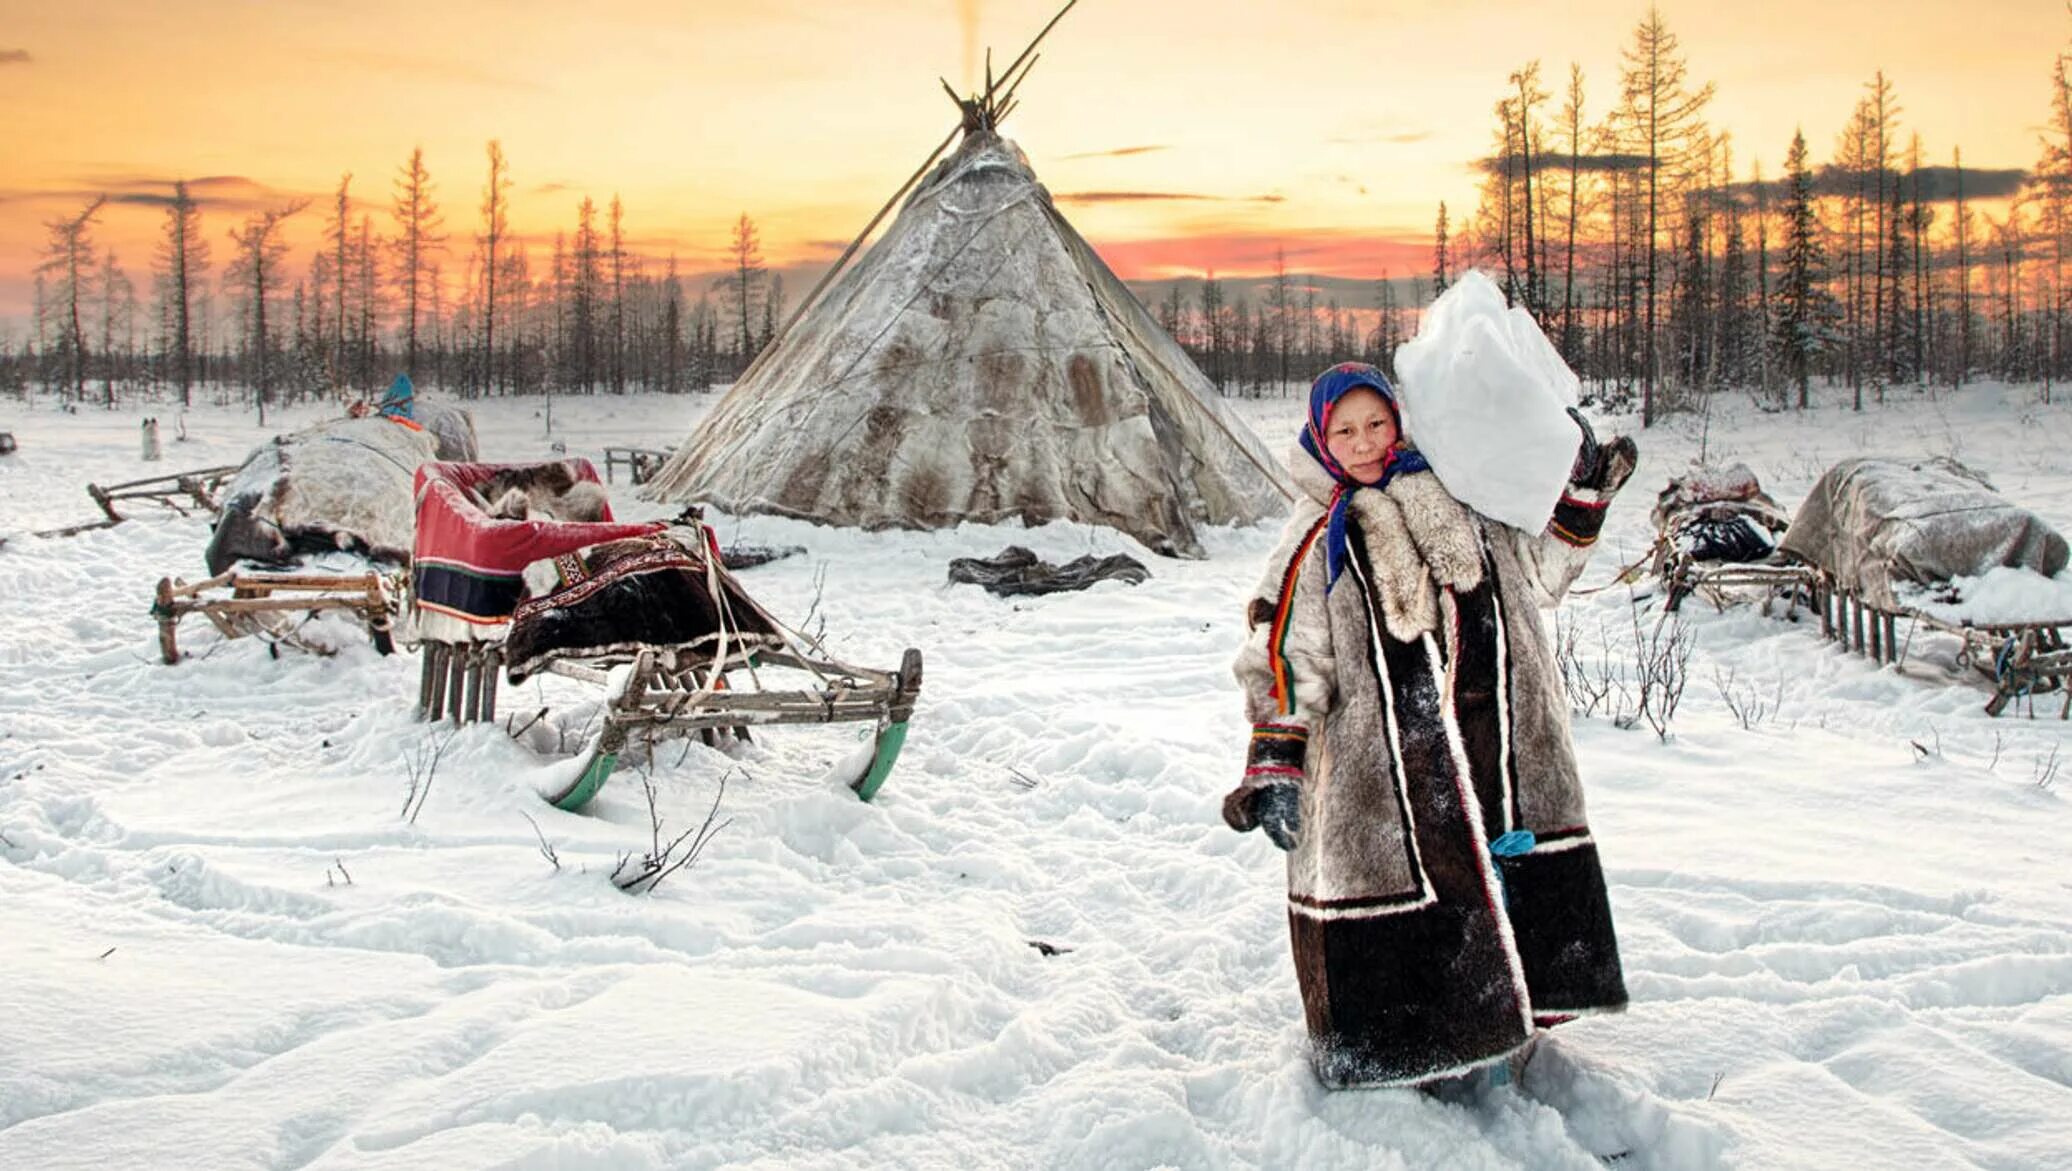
[[663, 860], [1634, 682]]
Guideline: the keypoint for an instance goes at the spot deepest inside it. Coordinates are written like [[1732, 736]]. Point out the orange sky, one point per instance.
[[1175, 134]]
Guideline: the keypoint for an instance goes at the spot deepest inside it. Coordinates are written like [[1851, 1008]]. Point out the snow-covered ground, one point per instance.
[[1847, 927]]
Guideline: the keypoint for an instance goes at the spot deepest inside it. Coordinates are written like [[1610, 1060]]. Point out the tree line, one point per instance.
[[1661, 272], [1664, 275], [584, 315]]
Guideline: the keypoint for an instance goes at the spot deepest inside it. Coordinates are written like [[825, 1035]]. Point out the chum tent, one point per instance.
[[979, 363]]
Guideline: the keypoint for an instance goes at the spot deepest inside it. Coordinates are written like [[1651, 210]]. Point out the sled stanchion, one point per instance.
[[435, 655], [428, 655], [168, 648], [491, 668], [377, 612], [471, 685], [456, 674]]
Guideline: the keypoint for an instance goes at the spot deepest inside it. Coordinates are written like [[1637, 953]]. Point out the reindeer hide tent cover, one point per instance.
[[980, 363]]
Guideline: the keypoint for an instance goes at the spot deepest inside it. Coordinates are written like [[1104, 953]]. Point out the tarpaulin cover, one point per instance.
[[1872, 523], [467, 572], [340, 484]]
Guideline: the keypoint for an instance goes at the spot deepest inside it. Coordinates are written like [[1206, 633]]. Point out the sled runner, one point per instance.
[[509, 576]]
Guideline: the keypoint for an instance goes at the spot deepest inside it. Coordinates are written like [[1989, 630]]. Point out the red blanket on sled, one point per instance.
[[469, 566]]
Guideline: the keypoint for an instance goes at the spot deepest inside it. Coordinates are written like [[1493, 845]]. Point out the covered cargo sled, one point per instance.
[[521, 568], [1931, 542], [315, 521]]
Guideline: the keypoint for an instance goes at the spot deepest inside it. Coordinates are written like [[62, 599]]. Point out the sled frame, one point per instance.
[[198, 489], [250, 603], [2019, 658], [663, 697], [1733, 583]]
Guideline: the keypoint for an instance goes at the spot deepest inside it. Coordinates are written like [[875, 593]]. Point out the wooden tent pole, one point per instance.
[[843, 259], [868, 228]]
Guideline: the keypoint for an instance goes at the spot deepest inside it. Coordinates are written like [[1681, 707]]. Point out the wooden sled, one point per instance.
[[197, 489], [2019, 658], [467, 591], [240, 604], [641, 463]]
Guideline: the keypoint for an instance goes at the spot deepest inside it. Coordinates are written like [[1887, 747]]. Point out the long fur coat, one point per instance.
[[1418, 705]]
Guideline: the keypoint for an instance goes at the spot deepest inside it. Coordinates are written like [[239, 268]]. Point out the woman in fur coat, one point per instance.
[[1410, 751]]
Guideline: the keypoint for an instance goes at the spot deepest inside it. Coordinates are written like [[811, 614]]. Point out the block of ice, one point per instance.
[[1485, 398]]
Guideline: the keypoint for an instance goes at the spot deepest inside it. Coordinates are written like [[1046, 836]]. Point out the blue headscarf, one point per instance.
[[401, 400], [1324, 393]]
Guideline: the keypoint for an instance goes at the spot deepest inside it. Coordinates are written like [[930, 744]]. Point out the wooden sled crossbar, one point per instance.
[[240, 604], [1724, 585], [2019, 658], [197, 489]]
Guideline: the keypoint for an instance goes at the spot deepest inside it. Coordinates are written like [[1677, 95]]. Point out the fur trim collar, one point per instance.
[[1419, 538]]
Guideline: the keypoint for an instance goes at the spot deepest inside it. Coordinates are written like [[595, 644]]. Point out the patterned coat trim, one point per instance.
[[1284, 608]]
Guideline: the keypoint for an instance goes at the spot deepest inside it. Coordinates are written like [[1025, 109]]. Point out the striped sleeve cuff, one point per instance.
[[1579, 517], [1276, 752]]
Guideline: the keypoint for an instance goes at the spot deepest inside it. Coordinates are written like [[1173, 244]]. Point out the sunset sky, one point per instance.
[[1177, 136]]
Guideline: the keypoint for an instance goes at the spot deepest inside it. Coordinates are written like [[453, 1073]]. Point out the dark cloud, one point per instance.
[[1589, 164], [552, 188], [15, 57], [1120, 152], [1938, 184], [209, 192], [233, 193], [1159, 196]]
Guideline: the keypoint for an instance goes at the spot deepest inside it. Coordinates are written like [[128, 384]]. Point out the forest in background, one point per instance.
[[1662, 270]]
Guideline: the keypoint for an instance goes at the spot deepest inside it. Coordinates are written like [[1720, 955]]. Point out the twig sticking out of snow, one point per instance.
[[422, 763], [1662, 662], [2047, 768], [546, 847], [681, 851], [1661, 668], [1747, 705]]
